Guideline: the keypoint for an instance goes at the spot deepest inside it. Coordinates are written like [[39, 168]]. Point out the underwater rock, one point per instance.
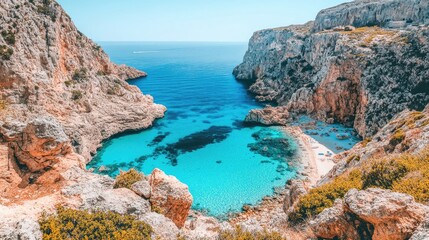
[[274, 148], [192, 142]]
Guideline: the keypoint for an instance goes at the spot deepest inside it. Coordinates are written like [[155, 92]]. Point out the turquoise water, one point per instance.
[[201, 140]]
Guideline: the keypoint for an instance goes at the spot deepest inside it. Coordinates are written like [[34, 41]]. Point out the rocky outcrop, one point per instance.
[[268, 116], [170, 197], [294, 190], [371, 214], [406, 132], [383, 13], [59, 92], [360, 77]]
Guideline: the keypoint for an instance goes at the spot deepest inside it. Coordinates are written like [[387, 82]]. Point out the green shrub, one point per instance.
[[406, 173], [239, 234], [324, 196], [5, 52], [80, 74], [76, 95], [77, 224], [397, 138], [383, 174], [46, 9], [126, 179], [2, 104], [9, 37]]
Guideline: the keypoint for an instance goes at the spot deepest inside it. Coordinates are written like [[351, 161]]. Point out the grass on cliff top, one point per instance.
[[405, 173], [77, 224], [239, 234], [126, 179], [368, 34]]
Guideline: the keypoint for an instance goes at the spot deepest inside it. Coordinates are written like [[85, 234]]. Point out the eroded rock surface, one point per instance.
[[371, 214], [360, 77], [170, 197]]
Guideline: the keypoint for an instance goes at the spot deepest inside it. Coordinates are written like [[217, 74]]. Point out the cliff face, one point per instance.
[[361, 77], [60, 95], [383, 13]]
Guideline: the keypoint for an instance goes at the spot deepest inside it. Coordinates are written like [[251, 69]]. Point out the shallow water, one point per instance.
[[201, 140]]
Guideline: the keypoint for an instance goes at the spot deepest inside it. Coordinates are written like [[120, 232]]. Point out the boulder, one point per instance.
[[268, 116], [163, 227], [43, 142], [393, 215], [142, 188], [294, 190], [372, 214], [170, 197], [331, 223]]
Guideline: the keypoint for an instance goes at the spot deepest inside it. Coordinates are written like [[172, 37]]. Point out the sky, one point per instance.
[[187, 20]]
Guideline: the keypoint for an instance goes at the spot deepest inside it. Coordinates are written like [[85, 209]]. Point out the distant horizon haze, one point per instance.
[[187, 20]]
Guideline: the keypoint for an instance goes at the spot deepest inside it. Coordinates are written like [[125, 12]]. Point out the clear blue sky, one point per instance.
[[187, 20]]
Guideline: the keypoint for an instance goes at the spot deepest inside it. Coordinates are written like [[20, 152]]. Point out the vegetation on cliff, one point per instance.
[[126, 179], [239, 234], [405, 173], [77, 224]]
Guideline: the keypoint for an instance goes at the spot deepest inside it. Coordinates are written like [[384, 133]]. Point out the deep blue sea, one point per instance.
[[201, 139]]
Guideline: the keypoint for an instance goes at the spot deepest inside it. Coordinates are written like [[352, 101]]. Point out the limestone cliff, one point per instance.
[[358, 76], [60, 95]]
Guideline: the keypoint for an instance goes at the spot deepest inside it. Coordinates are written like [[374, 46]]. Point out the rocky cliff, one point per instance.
[[60, 94], [358, 76]]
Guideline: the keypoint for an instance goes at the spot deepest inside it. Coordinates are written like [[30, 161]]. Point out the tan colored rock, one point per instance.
[[268, 116], [371, 214], [142, 188], [393, 215], [294, 190], [332, 223], [170, 197], [162, 226]]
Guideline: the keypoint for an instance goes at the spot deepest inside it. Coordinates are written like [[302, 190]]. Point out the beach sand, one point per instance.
[[316, 159]]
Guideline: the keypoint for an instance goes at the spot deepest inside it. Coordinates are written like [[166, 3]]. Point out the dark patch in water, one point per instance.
[[265, 161], [206, 122], [158, 139], [218, 161], [193, 142], [209, 110], [272, 147], [215, 116], [175, 115]]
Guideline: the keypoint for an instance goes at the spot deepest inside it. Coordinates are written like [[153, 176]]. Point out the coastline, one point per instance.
[[269, 213], [312, 155]]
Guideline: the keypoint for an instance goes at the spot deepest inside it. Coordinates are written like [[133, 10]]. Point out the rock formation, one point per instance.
[[371, 214], [170, 197], [361, 77]]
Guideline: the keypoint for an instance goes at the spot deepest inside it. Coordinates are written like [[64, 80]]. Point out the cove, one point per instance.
[[200, 140]]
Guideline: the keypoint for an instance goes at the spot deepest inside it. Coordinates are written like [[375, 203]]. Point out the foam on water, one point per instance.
[[201, 140]]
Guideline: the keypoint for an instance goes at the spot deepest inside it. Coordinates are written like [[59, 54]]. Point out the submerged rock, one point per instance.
[[170, 197]]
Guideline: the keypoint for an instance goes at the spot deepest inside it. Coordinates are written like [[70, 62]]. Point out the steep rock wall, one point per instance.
[[361, 77]]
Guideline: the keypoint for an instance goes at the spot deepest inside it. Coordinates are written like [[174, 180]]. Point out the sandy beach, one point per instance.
[[315, 158]]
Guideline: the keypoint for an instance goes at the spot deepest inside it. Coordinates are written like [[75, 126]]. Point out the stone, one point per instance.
[[332, 223], [142, 188], [294, 190], [163, 227], [170, 197], [422, 232], [371, 214], [393, 215], [201, 227], [23, 229], [268, 116]]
